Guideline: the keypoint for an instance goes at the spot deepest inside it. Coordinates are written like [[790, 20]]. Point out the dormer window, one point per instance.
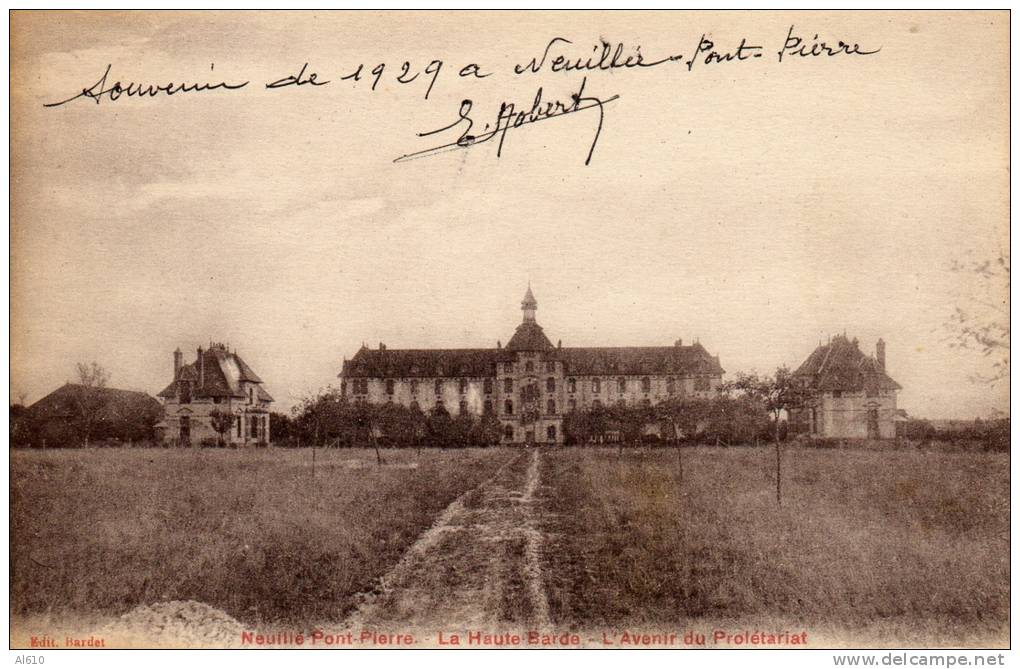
[[185, 391]]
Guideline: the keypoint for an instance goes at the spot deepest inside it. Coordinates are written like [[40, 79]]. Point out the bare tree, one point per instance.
[[982, 324], [90, 399]]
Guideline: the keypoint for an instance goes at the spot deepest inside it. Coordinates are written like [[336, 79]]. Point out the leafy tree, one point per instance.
[[322, 418], [487, 430], [734, 420], [22, 427], [283, 427], [439, 426], [630, 421], [222, 422], [775, 394], [684, 416], [417, 426]]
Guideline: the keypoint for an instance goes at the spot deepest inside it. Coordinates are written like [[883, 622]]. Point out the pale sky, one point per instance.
[[758, 206]]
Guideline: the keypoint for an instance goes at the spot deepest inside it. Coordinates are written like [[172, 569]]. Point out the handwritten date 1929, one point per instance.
[[510, 117]]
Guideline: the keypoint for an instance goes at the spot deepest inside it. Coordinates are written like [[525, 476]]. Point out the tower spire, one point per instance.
[[529, 305]]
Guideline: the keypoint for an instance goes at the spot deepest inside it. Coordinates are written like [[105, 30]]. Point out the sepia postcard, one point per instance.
[[510, 330]]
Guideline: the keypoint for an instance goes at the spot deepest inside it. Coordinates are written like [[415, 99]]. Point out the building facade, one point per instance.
[[852, 395], [529, 384], [218, 382]]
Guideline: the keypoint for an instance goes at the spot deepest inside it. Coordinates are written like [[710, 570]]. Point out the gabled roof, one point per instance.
[[63, 401], [841, 365], [220, 375]]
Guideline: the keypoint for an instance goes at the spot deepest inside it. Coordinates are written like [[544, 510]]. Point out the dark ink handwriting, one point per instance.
[[432, 68], [509, 117], [796, 46], [604, 57], [744, 51], [298, 80], [99, 89]]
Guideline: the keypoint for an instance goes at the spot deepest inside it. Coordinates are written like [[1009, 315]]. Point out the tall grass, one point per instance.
[[862, 536], [250, 532]]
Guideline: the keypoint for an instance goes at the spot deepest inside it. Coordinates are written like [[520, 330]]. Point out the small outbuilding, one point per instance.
[[853, 397]]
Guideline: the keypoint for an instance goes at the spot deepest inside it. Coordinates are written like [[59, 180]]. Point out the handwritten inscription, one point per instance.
[[558, 55], [116, 90]]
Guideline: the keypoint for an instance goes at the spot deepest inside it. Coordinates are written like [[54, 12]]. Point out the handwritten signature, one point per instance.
[[509, 117]]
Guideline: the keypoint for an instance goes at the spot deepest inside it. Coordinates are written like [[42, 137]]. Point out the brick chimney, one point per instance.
[[178, 362], [880, 353], [201, 368]]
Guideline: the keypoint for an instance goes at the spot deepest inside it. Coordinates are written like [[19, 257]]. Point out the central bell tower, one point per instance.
[[529, 306]]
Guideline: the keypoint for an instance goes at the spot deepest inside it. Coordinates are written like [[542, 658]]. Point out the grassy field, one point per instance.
[[250, 531], [902, 545], [862, 538]]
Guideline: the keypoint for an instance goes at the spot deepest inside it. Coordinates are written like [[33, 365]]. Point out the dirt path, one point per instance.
[[477, 567]]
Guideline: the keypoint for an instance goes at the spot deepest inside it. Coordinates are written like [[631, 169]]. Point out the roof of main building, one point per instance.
[[481, 362], [841, 365], [221, 377]]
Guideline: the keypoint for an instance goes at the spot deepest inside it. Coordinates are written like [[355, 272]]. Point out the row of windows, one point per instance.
[[508, 405], [257, 425], [700, 383], [529, 366], [550, 433]]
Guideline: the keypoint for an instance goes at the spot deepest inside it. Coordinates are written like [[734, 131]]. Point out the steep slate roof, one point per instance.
[[841, 365], [529, 337], [481, 362], [224, 371], [412, 363], [635, 360], [115, 402]]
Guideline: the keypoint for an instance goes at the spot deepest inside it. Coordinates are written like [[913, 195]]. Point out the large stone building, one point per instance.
[[853, 396], [529, 384], [219, 380]]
